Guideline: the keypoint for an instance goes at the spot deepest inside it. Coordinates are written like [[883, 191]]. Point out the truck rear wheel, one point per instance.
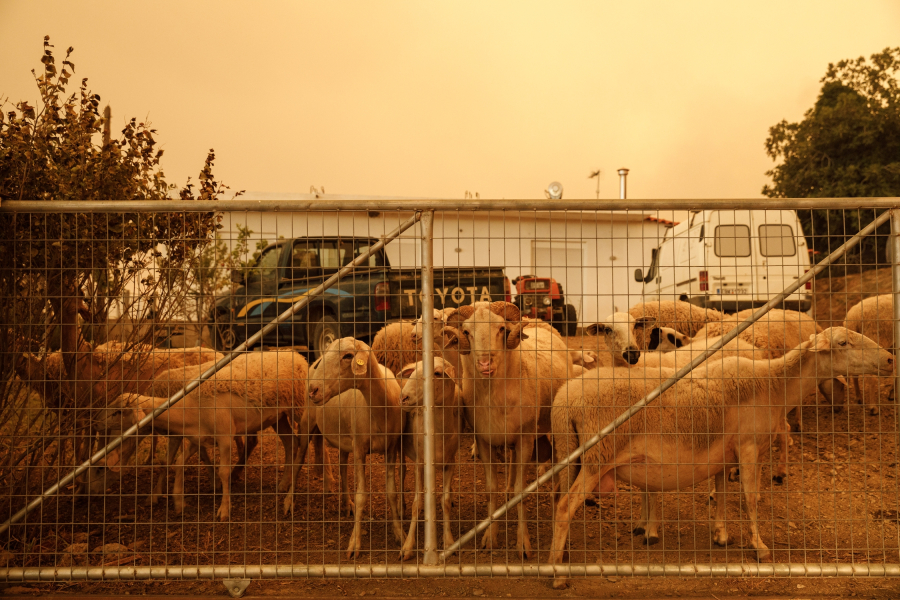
[[571, 320], [322, 333]]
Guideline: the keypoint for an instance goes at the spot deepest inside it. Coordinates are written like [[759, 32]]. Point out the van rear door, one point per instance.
[[782, 252], [730, 263]]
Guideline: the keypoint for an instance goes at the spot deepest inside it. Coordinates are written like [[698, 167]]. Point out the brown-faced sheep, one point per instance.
[[775, 333], [683, 317], [255, 391], [358, 411], [447, 429], [874, 318], [508, 383], [697, 428]]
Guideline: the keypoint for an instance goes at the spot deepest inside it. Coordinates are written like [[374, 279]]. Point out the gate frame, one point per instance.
[[430, 566]]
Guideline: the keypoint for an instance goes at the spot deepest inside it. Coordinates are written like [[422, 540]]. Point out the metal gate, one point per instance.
[[566, 425]]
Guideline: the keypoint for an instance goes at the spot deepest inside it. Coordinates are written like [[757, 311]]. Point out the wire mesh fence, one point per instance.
[[293, 405]]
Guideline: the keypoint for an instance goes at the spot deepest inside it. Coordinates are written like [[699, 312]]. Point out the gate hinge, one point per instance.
[[236, 587]]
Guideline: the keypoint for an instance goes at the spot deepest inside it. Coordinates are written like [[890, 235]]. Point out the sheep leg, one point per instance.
[[162, 478], [188, 450], [779, 471], [206, 460], [345, 486], [224, 443], [524, 449], [409, 547], [835, 390], [568, 505], [321, 464], [748, 455], [721, 531], [359, 471], [243, 453], [857, 389], [305, 428], [390, 462], [649, 526], [486, 454], [289, 440], [446, 503]]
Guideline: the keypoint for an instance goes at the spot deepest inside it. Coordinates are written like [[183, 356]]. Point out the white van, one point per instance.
[[730, 260]]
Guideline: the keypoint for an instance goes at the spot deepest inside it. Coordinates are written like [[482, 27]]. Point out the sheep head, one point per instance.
[[413, 394], [839, 351], [618, 329], [666, 339], [489, 330], [440, 321], [343, 366]]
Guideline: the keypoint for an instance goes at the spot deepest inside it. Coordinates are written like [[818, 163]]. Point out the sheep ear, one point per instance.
[[653, 343], [360, 363], [644, 321], [515, 336], [447, 370], [407, 371], [597, 329], [819, 342]]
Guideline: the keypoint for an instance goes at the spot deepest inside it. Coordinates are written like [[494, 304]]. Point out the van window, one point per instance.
[[732, 240], [777, 240]]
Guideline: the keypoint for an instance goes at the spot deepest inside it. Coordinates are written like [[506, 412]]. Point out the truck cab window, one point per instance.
[[266, 266], [732, 240], [777, 240], [375, 260]]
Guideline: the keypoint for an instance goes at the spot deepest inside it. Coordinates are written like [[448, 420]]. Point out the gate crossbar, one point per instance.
[[195, 383], [627, 414], [373, 571]]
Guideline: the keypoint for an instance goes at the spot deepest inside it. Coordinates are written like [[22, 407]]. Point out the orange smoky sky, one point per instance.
[[438, 98]]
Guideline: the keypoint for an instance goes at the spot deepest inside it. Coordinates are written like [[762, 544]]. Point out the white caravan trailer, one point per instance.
[[730, 260]]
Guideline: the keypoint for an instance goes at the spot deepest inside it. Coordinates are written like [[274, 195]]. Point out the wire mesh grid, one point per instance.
[[302, 455]]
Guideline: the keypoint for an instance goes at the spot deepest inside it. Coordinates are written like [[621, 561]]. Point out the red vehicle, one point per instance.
[[542, 297]]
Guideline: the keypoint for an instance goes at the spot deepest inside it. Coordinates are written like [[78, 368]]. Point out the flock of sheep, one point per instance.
[[518, 385]]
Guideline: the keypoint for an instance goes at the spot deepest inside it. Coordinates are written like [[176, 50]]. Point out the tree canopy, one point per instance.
[[847, 145], [52, 263]]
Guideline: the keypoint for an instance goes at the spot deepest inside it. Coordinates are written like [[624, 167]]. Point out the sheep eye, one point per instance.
[[842, 343], [348, 356], [466, 332]]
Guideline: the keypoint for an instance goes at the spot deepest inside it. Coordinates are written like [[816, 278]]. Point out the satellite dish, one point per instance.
[[555, 190]]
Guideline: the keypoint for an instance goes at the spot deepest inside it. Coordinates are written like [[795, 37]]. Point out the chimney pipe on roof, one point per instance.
[[623, 175]]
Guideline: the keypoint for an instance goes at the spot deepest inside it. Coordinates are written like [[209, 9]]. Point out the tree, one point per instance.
[[847, 145], [54, 266], [210, 273]]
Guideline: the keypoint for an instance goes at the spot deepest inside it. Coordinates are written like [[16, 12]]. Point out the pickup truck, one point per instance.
[[358, 305]]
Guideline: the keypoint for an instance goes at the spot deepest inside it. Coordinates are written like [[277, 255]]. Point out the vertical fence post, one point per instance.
[[430, 555], [895, 290]]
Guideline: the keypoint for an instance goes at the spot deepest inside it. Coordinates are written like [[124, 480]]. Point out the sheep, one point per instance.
[[358, 411], [683, 317], [666, 339], [447, 429], [255, 391], [110, 369], [509, 379], [695, 429], [776, 332], [620, 331], [874, 318], [394, 346]]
